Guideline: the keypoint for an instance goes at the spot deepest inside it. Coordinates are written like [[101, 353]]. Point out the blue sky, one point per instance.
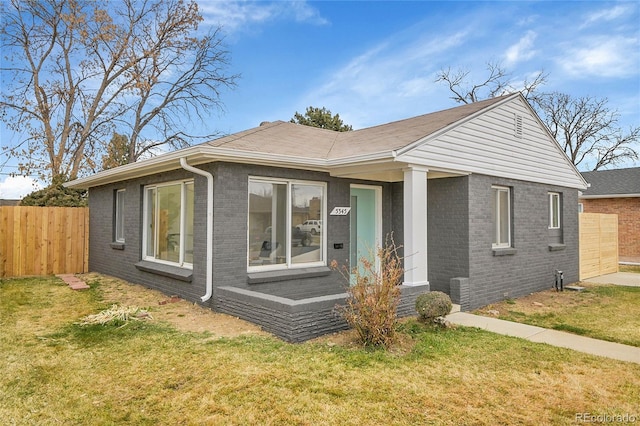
[[376, 62]]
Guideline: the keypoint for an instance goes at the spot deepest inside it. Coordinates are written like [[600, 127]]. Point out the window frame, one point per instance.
[[288, 264], [183, 214], [555, 208], [118, 216], [498, 219]]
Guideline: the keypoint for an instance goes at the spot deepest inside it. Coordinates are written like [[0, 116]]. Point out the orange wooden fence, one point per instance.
[[43, 240]]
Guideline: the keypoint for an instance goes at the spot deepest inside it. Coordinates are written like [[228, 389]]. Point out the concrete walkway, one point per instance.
[[619, 278], [551, 337]]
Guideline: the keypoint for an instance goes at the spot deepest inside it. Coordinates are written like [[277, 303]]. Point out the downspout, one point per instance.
[[209, 176]]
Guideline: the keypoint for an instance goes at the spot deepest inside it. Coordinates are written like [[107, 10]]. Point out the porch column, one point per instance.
[[415, 226]]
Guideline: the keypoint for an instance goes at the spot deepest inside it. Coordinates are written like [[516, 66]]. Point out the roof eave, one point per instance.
[[195, 155], [593, 197]]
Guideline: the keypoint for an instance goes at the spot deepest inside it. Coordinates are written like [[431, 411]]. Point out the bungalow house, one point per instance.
[[481, 198], [617, 192]]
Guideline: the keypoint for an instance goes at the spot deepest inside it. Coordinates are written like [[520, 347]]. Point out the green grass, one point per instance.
[[629, 268], [604, 312], [56, 372]]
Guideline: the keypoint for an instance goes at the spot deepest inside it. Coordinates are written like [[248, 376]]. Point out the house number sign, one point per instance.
[[340, 211]]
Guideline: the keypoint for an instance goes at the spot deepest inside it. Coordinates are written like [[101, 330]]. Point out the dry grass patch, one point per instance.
[[629, 268], [171, 310], [604, 312], [150, 372]]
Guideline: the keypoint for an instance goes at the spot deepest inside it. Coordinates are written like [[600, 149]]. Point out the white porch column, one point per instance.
[[415, 226]]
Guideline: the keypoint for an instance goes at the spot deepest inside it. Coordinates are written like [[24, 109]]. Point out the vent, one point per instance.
[[517, 122]]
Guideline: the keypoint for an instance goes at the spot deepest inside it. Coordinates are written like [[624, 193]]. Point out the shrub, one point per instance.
[[433, 305], [371, 308]]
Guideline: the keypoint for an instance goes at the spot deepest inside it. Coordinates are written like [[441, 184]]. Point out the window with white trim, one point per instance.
[[501, 216], [554, 210], [168, 223], [119, 216], [286, 224]]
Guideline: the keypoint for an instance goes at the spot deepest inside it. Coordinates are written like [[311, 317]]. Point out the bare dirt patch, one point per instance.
[[541, 302], [179, 313]]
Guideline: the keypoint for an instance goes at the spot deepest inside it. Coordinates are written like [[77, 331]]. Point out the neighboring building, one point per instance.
[[9, 202], [481, 197], [617, 191]]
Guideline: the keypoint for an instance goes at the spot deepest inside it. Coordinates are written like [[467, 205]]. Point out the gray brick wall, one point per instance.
[[447, 231], [459, 217], [297, 320], [531, 268], [120, 263]]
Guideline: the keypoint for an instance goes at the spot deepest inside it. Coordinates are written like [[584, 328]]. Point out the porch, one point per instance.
[[297, 320]]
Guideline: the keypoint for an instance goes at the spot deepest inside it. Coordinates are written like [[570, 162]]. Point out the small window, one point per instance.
[[554, 210], [501, 216], [168, 223], [580, 208], [119, 216]]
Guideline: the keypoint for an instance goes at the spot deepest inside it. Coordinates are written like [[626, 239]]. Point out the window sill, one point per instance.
[[117, 246], [287, 274], [557, 247], [175, 272], [509, 251]]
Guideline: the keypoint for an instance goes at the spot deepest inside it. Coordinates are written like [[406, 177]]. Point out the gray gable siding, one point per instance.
[[487, 144]]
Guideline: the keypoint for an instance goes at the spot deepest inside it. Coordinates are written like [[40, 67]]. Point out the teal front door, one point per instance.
[[365, 225]]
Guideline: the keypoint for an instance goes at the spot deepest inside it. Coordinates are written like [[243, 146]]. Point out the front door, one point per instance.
[[365, 224]]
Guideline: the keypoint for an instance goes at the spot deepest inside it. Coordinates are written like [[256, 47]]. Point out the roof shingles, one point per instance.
[[613, 182]]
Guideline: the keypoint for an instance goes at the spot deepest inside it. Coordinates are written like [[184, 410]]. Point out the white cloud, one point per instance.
[[388, 80], [604, 56], [522, 50], [233, 15], [16, 187], [607, 15]]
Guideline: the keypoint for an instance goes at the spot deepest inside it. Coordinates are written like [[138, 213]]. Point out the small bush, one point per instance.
[[433, 305], [371, 307]]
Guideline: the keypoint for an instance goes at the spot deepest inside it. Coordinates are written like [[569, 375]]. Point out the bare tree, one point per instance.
[[496, 83], [587, 129], [76, 71]]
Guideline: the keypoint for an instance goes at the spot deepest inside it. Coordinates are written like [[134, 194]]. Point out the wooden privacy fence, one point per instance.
[[43, 240], [598, 244]]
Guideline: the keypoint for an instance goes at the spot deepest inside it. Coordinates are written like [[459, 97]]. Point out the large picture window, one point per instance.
[[501, 216], [286, 224], [554, 210], [168, 223]]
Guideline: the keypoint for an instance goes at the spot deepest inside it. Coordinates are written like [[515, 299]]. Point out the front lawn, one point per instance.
[[55, 371], [605, 312]]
